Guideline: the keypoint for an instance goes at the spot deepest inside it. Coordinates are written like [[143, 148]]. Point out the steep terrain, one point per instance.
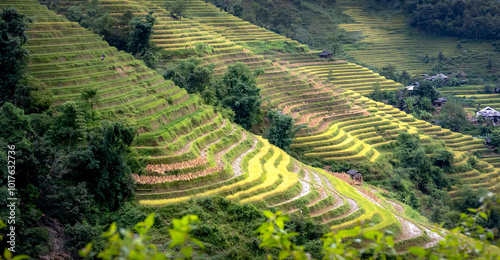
[[386, 38], [325, 95], [190, 150]]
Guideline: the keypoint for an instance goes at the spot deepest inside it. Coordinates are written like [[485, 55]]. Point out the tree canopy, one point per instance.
[[13, 57], [141, 33], [479, 19], [239, 91], [453, 116], [281, 129]]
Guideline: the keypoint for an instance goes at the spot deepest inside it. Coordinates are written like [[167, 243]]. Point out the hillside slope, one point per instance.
[[190, 150], [386, 38], [325, 95]]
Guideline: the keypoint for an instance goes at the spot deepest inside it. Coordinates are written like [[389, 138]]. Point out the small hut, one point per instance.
[[356, 176], [439, 102], [325, 55], [438, 76]]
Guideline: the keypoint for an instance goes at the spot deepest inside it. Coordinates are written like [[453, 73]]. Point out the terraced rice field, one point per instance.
[[190, 150], [324, 95], [387, 39], [477, 94]]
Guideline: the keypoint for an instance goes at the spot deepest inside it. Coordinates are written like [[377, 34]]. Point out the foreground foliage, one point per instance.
[[354, 243]]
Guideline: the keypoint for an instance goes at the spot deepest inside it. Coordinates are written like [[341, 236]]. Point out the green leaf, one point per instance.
[[111, 231], [479, 246], [7, 254], [483, 215], [177, 237], [84, 252], [389, 241], [198, 242], [283, 254], [150, 220], [187, 251], [2, 224], [420, 252], [371, 234], [268, 214], [280, 223], [348, 233]]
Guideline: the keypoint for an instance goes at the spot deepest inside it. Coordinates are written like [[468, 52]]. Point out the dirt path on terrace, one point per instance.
[[306, 189], [237, 163]]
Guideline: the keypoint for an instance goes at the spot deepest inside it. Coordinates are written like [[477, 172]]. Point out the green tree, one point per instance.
[[74, 13], [337, 47], [199, 79], [13, 56], [91, 96], [426, 89], [443, 158], [404, 77], [388, 71], [125, 244], [488, 89], [104, 164], [238, 91], [453, 116], [139, 38], [178, 7], [191, 74], [410, 104], [281, 130], [377, 93]]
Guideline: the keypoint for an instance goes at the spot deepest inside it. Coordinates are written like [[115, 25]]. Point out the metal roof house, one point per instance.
[[325, 55], [438, 76], [352, 172], [439, 102], [488, 112]]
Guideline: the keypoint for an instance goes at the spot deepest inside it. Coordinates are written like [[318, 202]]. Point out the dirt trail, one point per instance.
[[409, 231], [322, 192], [237, 163], [373, 190], [319, 186], [306, 188], [370, 199], [353, 205], [218, 156], [434, 236], [397, 206], [337, 203]]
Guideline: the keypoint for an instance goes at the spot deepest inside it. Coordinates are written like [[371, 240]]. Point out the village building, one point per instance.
[[437, 76], [489, 113], [325, 55], [356, 176], [439, 102], [412, 87]]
